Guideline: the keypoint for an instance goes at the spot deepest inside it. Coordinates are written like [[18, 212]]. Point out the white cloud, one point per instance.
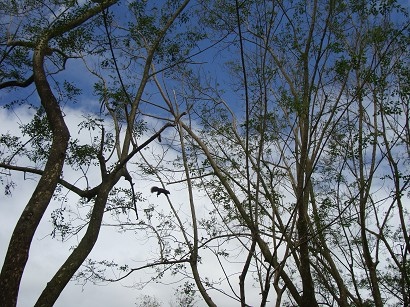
[[132, 248], [47, 254]]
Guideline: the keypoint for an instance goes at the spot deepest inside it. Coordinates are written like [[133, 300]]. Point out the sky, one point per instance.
[[47, 253]]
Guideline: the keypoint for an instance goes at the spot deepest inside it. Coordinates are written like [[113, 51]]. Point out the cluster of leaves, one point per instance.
[[323, 113]]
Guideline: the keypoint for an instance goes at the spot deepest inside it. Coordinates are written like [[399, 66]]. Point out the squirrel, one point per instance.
[[159, 191]]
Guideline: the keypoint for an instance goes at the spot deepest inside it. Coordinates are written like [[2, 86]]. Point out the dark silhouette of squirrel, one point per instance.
[[159, 191]]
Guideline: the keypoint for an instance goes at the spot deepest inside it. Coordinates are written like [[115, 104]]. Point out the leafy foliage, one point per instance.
[[289, 162]]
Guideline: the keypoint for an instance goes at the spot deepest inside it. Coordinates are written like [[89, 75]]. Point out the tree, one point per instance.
[[291, 166], [148, 301], [52, 42], [314, 87], [17, 254]]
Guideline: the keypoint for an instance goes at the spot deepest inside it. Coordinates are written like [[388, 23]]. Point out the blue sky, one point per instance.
[[48, 254]]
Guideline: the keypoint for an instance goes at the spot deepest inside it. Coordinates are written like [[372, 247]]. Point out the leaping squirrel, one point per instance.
[[159, 191]]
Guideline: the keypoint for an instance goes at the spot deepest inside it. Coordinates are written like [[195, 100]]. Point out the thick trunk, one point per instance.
[[303, 171], [18, 250], [19, 246], [308, 296], [56, 285]]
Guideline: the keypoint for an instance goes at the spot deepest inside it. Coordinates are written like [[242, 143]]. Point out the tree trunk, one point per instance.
[[61, 278], [303, 171], [18, 250]]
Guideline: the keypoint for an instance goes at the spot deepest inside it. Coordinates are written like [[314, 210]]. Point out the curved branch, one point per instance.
[[82, 193], [17, 83]]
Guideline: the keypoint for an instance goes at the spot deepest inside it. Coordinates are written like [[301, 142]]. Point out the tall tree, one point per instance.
[[18, 251], [292, 162], [292, 158], [306, 72], [51, 41]]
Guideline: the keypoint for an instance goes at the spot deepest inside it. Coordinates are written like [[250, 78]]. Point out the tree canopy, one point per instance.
[[278, 129]]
